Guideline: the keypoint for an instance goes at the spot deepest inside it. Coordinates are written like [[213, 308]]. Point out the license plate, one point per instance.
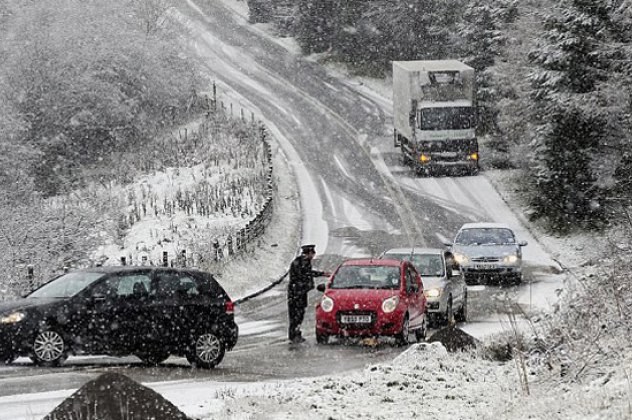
[[486, 266], [355, 319]]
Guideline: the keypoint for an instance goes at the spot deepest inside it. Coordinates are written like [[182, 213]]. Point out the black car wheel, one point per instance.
[[461, 315], [420, 333], [449, 318], [49, 348], [208, 350], [154, 357], [403, 337]]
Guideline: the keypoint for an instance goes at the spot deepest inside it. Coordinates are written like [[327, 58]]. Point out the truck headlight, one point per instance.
[[461, 258], [327, 304], [432, 293], [511, 259], [390, 304], [12, 318]]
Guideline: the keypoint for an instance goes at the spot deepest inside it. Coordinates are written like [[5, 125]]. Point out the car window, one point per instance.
[[485, 236], [67, 285], [174, 284], [366, 277], [428, 265], [411, 280], [135, 285]]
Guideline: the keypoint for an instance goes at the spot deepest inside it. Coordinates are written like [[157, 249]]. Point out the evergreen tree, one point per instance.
[[566, 189], [259, 11], [315, 27], [482, 40], [621, 87], [416, 29], [567, 114]]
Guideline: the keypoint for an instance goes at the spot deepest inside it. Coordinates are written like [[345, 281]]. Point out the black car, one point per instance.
[[150, 312]]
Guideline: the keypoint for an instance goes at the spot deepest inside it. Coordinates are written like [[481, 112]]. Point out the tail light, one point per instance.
[[230, 307]]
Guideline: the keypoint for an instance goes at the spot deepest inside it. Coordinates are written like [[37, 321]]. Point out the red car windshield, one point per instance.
[[366, 277]]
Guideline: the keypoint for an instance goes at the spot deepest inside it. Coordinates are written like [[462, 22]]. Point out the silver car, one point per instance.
[[444, 286], [488, 252]]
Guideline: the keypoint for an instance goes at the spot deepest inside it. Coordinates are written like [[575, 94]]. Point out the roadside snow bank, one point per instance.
[[424, 381]]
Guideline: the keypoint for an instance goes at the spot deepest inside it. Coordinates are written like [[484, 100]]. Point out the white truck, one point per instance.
[[434, 112]]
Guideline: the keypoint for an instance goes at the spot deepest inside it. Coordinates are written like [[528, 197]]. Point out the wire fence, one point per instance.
[[237, 242]]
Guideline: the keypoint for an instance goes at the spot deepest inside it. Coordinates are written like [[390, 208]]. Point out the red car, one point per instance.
[[370, 298]]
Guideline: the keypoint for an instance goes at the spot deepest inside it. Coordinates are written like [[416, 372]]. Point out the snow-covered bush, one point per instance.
[[587, 336]]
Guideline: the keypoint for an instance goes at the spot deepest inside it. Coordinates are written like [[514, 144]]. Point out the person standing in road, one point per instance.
[[301, 282]]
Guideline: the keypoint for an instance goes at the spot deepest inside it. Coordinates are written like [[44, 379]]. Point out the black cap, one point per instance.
[[308, 248]]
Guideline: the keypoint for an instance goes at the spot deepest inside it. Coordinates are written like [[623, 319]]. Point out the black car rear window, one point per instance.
[[186, 284], [215, 290]]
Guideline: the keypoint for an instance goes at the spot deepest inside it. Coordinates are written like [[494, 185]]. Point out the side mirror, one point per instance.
[[523, 243], [321, 287], [456, 272]]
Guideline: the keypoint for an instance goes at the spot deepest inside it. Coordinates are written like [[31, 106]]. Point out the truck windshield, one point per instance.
[[456, 118]]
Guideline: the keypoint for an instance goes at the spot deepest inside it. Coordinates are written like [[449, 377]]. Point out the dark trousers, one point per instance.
[[296, 312]]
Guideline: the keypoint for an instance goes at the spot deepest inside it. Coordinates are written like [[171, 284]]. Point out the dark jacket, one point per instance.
[[301, 277]]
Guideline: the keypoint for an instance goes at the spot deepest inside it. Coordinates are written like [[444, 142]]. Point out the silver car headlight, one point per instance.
[[327, 304], [511, 259], [461, 258], [12, 318], [390, 304], [435, 292]]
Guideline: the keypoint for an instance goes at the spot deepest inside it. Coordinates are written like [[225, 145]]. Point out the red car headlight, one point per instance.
[[390, 304], [327, 304]]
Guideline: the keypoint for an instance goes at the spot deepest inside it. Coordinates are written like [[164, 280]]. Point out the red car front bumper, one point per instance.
[[382, 324]]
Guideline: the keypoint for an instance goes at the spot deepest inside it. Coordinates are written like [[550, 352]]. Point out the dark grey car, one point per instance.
[[150, 312]]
